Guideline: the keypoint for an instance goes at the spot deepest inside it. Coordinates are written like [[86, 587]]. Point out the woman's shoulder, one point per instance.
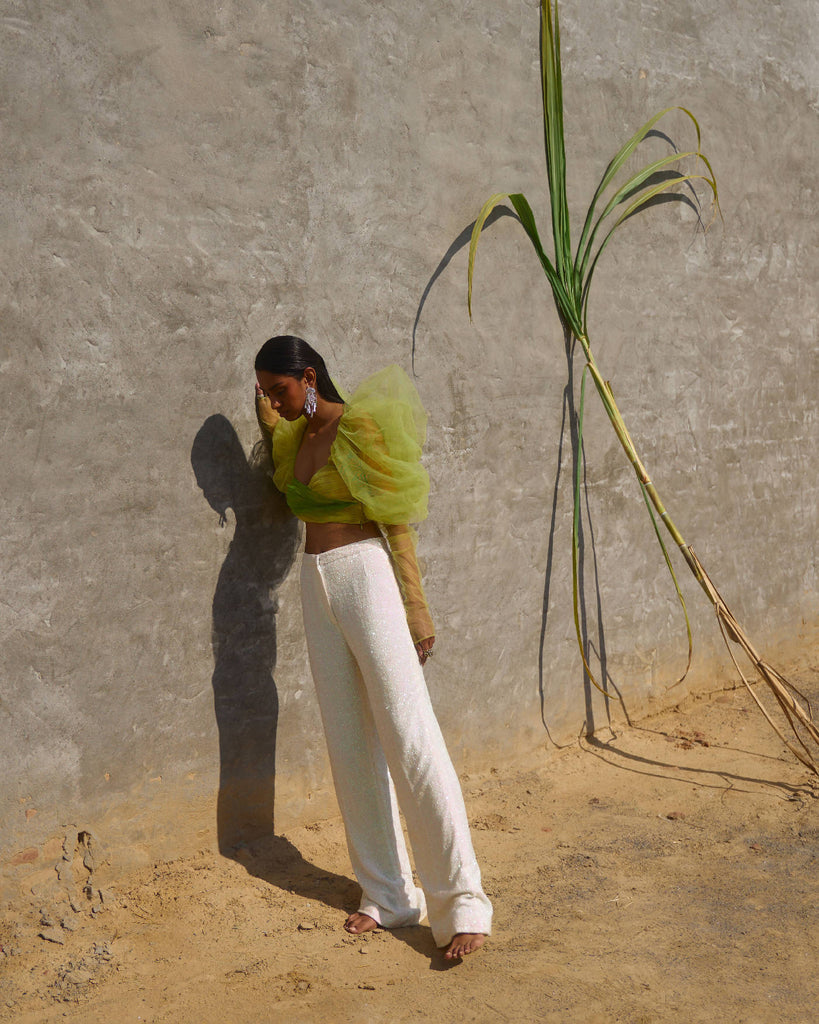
[[387, 402], [286, 438], [377, 450], [388, 384]]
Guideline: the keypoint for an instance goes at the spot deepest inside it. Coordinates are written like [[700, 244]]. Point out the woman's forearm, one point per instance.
[[401, 540]]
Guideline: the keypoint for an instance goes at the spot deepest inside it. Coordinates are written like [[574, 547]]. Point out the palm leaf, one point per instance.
[[643, 200], [552, 84], [631, 187], [620, 159]]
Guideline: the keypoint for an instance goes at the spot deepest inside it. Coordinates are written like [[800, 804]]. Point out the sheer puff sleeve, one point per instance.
[[377, 452], [377, 449]]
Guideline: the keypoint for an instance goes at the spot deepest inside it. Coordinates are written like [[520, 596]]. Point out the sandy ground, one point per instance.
[[668, 873]]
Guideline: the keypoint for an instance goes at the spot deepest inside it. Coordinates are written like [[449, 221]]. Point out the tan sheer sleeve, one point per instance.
[[401, 540], [268, 418]]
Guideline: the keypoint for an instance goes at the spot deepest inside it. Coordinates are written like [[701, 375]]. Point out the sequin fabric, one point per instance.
[[384, 740]]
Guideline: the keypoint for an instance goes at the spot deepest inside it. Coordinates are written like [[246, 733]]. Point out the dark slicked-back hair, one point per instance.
[[290, 356]]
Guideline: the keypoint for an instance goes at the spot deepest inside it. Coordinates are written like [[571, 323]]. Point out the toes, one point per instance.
[[462, 945], [358, 923]]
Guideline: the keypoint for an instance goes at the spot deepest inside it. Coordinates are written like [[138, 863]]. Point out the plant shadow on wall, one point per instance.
[[591, 630], [243, 633]]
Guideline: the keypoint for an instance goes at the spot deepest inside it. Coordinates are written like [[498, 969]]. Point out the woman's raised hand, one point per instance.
[[267, 415]]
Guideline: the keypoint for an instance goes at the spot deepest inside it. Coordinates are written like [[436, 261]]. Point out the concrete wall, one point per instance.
[[182, 180]]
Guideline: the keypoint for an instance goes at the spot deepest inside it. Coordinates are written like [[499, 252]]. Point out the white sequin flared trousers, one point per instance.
[[383, 738]]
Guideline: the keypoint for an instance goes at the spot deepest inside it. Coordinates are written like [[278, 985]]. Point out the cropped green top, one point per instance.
[[373, 474], [374, 471]]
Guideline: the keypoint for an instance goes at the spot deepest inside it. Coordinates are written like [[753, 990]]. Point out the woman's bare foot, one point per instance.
[[357, 924], [463, 943]]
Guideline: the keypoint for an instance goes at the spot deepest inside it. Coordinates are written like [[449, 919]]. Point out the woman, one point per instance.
[[351, 471]]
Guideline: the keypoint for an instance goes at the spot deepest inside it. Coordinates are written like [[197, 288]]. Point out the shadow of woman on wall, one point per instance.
[[243, 635]]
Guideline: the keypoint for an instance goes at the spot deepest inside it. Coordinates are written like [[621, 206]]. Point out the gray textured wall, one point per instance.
[[181, 180]]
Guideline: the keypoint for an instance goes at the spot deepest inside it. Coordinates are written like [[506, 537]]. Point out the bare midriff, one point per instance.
[[321, 537]]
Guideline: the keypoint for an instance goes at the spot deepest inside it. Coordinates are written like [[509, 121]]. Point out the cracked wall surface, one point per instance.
[[182, 180]]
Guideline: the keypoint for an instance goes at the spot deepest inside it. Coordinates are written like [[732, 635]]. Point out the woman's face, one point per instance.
[[286, 394]]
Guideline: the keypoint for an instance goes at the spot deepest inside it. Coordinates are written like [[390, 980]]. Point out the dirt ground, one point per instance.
[[668, 873]]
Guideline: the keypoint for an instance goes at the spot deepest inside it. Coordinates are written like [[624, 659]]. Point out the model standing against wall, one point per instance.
[[351, 471]]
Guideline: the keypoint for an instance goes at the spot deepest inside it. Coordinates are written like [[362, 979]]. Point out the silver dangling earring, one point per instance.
[[310, 401]]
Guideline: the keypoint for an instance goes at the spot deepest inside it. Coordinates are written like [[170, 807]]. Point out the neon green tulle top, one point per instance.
[[374, 471]]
